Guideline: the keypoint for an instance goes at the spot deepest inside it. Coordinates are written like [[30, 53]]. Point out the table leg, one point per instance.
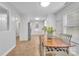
[[44, 51], [67, 50]]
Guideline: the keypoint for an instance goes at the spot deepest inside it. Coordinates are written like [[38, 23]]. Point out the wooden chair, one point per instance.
[[67, 39]]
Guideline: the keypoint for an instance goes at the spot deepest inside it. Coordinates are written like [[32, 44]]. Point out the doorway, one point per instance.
[[35, 28]]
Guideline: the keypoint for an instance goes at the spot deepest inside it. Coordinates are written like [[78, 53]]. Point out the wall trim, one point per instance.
[[9, 50], [23, 39]]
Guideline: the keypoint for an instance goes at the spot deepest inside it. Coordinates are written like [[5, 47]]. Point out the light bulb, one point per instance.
[[36, 18], [45, 4]]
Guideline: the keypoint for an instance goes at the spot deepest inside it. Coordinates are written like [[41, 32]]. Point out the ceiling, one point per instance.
[[35, 9]]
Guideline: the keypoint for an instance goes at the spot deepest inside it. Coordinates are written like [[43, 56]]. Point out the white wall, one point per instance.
[[73, 7], [8, 38], [24, 29], [18, 19], [51, 21]]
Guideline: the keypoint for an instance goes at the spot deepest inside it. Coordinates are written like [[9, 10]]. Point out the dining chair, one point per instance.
[[67, 39]]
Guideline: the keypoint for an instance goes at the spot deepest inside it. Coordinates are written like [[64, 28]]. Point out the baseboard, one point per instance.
[[74, 53], [23, 39], [9, 50]]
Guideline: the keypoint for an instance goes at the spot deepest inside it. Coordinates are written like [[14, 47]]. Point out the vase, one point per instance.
[[49, 36]]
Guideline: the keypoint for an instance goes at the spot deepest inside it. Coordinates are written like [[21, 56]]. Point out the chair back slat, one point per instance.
[[66, 38]]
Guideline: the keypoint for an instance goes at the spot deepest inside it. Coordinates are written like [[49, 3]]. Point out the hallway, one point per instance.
[[30, 20]]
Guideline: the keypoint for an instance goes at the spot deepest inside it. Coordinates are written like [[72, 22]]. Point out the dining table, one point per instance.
[[55, 42]]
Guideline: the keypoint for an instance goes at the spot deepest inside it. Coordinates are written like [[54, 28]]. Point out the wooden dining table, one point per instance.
[[55, 42]]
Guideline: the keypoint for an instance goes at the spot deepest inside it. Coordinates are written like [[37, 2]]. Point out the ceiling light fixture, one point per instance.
[[36, 18], [45, 4]]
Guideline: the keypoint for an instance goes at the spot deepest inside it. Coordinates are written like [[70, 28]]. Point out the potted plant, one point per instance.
[[49, 30]]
